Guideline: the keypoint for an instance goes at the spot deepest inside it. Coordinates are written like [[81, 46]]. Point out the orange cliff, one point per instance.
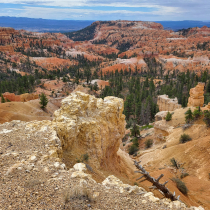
[[6, 39]]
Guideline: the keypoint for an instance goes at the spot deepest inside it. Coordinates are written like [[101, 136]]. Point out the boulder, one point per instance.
[[80, 167], [160, 115], [162, 129]]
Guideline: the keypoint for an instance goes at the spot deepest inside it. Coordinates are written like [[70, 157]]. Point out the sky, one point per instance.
[[146, 10]]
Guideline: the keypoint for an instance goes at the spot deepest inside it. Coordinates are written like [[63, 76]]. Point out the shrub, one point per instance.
[[175, 163], [181, 186], [78, 192], [133, 149], [148, 143], [206, 118], [84, 157], [188, 116], [184, 175], [197, 112], [168, 116], [184, 138]]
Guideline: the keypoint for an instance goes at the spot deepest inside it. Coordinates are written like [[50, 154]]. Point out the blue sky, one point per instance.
[[152, 10]]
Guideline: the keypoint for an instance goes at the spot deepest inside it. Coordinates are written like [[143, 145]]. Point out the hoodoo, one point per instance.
[[196, 95], [86, 124]]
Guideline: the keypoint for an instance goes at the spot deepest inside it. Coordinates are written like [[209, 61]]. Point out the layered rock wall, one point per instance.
[[6, 35], [167, 104], [196, 95], [89, 125]]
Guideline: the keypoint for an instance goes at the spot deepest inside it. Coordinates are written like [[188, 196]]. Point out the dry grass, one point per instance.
[[78, 192]]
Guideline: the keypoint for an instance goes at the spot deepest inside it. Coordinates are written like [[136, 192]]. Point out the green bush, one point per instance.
[[133, 149], [188, 116], [197, 113], [184, 138], [184, 175], [148, 143], [84, 157], [168, 116], [206, 118], [181, 186]]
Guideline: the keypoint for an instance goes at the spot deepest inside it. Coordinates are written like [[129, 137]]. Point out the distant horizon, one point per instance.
[[107, 19], [53, 25]]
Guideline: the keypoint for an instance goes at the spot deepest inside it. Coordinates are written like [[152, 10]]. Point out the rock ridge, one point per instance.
[[167, 104]]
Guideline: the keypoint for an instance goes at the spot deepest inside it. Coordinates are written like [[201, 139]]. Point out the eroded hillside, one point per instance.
[[36, 173]]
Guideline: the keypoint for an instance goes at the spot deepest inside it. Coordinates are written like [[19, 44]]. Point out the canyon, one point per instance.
[[131, 40], [83, 136]]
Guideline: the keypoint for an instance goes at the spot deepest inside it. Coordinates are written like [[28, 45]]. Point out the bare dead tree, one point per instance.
[[156, 185]]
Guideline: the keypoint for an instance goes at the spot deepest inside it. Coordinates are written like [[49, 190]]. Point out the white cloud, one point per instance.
[[90, 14], [66, 9]]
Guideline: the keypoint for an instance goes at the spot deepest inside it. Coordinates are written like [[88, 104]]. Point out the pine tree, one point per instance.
[[208, 87], [184, 101], [2, 99], [135, 130], [188, 116], [43, 100]]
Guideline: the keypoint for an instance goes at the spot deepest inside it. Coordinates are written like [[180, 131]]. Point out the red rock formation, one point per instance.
[[52, 63], [6, 35], [23, 98], [196, 95]]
